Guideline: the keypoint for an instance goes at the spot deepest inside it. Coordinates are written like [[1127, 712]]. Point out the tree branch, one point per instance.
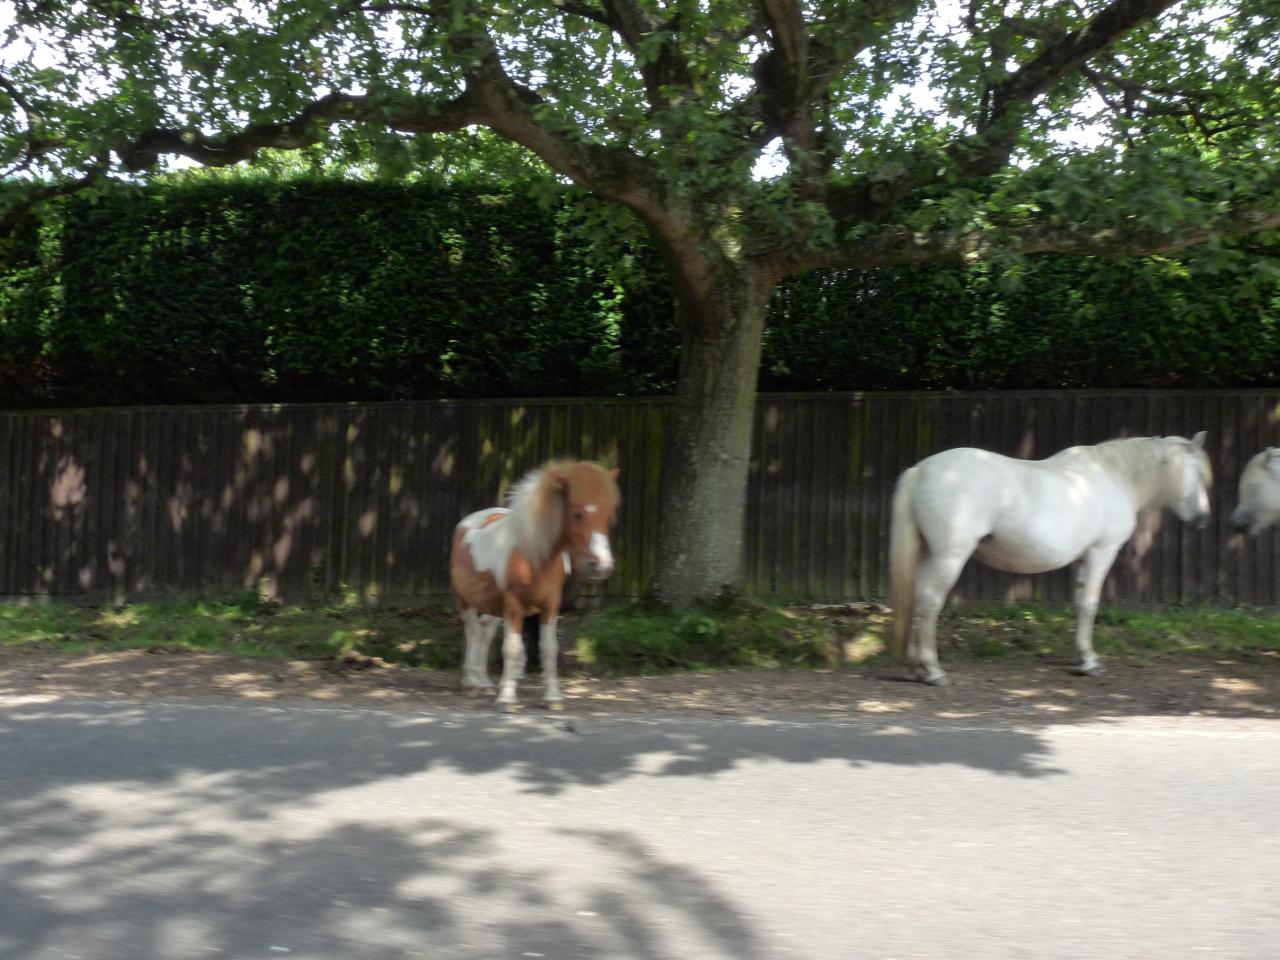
[[1010, 104], [302, 131], [632, 25], [1012, 98], [793, 77], [18, 200], [1140, 101], [782, 77], [585, 11], [34, 145]]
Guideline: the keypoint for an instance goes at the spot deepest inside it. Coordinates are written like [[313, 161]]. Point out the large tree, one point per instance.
[[892, 132]]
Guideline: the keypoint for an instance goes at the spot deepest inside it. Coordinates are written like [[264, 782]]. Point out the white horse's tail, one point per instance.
[[904, 558]]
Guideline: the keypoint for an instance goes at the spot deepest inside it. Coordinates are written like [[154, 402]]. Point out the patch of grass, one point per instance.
[[992, 632], [1192, 629], [643, 639], [246, 626]]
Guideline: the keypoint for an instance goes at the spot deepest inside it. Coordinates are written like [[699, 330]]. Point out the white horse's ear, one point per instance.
[[1273, 452], [1198, 440]]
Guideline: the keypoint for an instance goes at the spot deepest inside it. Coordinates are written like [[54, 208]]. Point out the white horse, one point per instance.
[[1259, 505], [1029, 516]]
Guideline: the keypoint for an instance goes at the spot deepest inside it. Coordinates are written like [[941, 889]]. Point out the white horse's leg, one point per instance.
[[936, 576], [549, 647], [512, 663], [477, 633], [1090, 573]]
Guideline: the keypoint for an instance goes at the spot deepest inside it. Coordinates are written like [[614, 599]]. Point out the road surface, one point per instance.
[[166, 831]]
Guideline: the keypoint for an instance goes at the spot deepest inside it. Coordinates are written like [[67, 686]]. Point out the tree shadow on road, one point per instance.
[[297, 750], [175, 878]]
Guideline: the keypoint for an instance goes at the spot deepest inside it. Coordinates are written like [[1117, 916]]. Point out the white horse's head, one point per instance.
[[1259, 505], [1188, 478]]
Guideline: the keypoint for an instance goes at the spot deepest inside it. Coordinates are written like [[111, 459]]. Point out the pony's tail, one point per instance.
[[904, 558]]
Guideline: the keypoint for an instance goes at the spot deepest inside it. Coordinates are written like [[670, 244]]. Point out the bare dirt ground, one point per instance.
[[1021, 690]]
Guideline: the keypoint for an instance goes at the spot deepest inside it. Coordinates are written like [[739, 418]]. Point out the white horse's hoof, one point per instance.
[[554, 705], [508, 707], [920, 674], [1083, 671], [474, 692]]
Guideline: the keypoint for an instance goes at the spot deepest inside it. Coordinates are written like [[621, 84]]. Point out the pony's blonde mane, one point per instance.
[[537, 512]]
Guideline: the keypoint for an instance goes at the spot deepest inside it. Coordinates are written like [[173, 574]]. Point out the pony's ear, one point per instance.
[[1198, 440], [613, 472], [558, 479]]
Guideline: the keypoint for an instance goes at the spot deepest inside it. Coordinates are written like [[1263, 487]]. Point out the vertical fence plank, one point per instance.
[[11, 470]]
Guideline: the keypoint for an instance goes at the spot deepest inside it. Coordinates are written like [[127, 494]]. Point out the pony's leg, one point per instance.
[[477, 633], [1090, 573], [530, 633], [936, 576], [548, 647], [489, 627], [512, 661]]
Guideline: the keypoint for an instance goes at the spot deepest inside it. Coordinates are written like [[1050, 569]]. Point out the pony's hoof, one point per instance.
[[555, 706], [936, 680], [508, 707], [1083, 671], [474, 692]]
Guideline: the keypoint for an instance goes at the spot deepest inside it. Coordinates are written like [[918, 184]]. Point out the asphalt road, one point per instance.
[[140, 831]]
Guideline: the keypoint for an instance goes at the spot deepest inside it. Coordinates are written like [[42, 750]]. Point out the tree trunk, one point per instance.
[[708, 451]]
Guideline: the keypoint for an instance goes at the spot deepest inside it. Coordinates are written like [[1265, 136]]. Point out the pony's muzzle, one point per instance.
[[598, 562], [594, 568]]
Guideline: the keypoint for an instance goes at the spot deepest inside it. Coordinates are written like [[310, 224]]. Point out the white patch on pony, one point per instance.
[[600, 550], [489, 541]]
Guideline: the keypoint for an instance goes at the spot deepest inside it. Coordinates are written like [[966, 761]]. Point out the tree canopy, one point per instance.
[[907, 131]]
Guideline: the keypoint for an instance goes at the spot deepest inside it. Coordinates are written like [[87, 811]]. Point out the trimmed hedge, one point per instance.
[[252, 290], [1056, 322]]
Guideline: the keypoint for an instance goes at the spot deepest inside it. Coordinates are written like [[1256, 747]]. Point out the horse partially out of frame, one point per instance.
[[510, 562], [1029, 516], [1259, 503]]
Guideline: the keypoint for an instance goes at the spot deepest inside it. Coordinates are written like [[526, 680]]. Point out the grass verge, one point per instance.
[[637, 639], [645, 640], [425, 637], [1020, 630]]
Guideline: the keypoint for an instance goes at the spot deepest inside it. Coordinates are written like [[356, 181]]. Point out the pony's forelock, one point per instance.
[[537, 511]]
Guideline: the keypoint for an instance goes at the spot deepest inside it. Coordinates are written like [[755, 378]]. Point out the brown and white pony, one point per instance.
[[510, 562]]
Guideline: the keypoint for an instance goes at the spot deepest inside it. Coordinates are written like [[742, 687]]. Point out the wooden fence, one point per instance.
[[318, 500]]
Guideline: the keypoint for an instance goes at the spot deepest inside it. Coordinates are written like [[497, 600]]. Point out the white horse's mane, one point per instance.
[[1141, 461], [537, 514]]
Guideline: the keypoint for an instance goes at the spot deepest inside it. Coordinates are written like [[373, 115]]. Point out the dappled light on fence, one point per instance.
[[316, 500]]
